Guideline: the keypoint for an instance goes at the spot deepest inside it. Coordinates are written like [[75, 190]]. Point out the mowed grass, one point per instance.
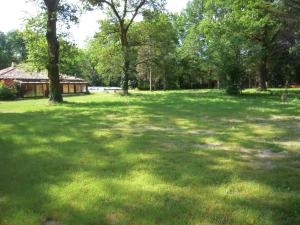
[[168, 158]]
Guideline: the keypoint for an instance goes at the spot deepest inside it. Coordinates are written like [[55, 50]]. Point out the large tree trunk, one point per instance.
[[53, 52], [263, 74], [126, 58]]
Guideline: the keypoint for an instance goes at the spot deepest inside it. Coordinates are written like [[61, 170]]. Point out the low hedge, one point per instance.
[[7, 92]]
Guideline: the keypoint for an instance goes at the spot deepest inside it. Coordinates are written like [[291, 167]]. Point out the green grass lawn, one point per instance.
[[167, 158]]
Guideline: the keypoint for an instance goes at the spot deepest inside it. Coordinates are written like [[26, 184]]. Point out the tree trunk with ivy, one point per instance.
[[53, 52]]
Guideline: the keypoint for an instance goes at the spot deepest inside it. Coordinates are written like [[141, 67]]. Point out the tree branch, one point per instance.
[[135, 14]]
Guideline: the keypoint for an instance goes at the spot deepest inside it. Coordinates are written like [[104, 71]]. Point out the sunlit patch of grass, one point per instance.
[[176, 157]]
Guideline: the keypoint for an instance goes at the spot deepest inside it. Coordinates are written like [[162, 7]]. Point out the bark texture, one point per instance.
[[53, 52], [126, 58], [263, 71]]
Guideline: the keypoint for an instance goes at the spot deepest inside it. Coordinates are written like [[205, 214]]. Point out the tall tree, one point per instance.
[[261, 27], [156, 53], [55, 10], [12, 48], [104, 52], [124, 13], [4, 61], [16, 46], [53, 51], [37, 48]]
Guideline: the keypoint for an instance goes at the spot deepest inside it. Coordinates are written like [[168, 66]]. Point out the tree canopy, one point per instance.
[[230, 44]]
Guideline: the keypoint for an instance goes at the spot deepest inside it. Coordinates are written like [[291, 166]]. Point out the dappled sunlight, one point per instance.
[[237, 188], [267, 131], [293, 146], [151, 158]]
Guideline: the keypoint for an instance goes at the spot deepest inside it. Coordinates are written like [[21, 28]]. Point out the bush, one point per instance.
[[233, 89], [7, 92]]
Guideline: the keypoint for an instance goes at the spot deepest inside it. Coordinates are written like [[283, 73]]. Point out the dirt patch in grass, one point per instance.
[[235, 121], [50, 221], [246, 151], [113, 218], [267, 159], [264, 154], [153, 128], [212, 145], [267, 165], [268, 154], [285, 118], [175, 130], [169, 145], [8, 111], [201, 132], [264, 159]]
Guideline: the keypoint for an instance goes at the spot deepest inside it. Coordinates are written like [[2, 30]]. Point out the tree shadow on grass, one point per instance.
[[88, 163]]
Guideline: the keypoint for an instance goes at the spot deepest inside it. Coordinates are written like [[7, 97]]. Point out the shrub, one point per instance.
[[233, 89], [7, 92]]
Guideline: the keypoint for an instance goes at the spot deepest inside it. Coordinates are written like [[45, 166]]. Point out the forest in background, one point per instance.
[[243, 44]]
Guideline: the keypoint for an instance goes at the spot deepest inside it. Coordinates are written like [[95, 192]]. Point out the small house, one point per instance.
[[34, 84]]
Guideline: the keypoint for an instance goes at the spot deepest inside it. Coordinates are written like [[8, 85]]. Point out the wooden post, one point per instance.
[[34, 90], [22, 90]]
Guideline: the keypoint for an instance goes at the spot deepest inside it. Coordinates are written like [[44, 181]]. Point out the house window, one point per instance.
[[39, 90], [46, 92], [78, 88], [29, 90], [65, 89], [71, 88], [83, 88], [45, 87]]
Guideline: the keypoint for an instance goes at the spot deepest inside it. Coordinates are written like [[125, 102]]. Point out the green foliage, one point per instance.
[[35, 41], [105, 55], [156, 53], [233, 89], [71, 56], [105, 51], [237, 42], [12, 48], [232, 42], [7, 92], [122, 14], [16, 46], [4, 57]]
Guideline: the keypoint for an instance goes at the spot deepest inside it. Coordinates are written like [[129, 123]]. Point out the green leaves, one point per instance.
[[37, 49], [232, 37], [12, 48]]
